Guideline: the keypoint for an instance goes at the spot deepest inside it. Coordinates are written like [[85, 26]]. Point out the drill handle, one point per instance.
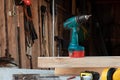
[[74, 36]]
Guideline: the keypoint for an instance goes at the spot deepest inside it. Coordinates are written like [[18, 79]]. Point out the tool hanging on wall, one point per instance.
[[18, 36], [43, 11], [60, 43], [22, 2], [29, 56], [30, 33], [27, 2], [15, 13], [16, 10]]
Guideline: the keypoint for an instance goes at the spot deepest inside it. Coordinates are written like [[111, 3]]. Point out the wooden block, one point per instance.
[[67, 62], [76, 71]]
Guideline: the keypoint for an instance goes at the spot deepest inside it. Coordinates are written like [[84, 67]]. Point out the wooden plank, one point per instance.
[[55, 62], [77, 71], [2, 30]]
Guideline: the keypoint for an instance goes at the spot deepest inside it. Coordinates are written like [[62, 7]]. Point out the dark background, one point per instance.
[[103, 28]]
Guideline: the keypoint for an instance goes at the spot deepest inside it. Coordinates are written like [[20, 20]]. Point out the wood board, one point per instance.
[[77, 71], [67, 62]]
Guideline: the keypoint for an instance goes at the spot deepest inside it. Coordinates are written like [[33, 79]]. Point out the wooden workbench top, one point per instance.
[[67, 62]]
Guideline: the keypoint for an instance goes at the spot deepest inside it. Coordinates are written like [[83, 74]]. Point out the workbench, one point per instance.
[[68, 65], [7, 73]]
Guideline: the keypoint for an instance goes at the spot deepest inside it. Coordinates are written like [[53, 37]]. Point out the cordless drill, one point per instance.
[[75, 50]]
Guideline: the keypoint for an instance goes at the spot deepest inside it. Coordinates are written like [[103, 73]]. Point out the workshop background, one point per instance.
[[100, 35]]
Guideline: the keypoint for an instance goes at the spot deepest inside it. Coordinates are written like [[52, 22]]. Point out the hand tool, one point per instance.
[[30, 33], [27, 2], [43, 11], [89, 75], [86, 76], [59, 41], [39, 27], [29, 55], [22, 2], [73, 23], [18, 36], [16, 10], [30, 59]]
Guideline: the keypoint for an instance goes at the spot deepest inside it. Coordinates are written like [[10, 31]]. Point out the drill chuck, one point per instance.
[[82, 19]]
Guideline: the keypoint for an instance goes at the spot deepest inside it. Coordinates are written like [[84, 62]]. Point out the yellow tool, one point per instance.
[[116, 75], [86, 76], [110, 74], [89, 75]]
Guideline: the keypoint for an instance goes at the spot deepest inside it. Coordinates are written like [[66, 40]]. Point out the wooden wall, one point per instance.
[[8, 30]]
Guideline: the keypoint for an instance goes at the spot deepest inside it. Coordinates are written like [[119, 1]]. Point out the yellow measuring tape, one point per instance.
[[116, 75], [104, 74], [86, 76], [110, 74]]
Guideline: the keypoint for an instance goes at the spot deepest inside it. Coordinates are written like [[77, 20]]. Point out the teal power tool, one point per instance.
[[75, 50]]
